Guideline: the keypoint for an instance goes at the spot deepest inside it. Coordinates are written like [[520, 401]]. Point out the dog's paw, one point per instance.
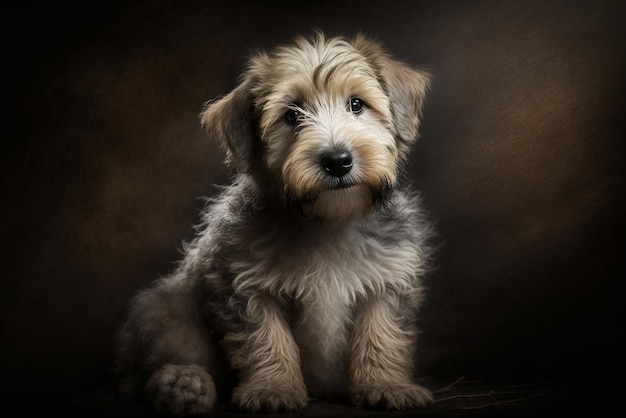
[[404, 396], [181, 390], [270, 397]]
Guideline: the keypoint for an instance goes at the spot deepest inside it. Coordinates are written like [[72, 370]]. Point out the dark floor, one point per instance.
[[457, 398]]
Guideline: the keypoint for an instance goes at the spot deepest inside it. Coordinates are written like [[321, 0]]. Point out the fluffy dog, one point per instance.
[[304, 279]]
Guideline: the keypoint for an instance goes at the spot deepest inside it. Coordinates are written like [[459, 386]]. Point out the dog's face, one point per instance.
[[328, 121]]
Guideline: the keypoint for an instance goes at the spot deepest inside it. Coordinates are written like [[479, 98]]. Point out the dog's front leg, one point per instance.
[[267, 359], [381, 357]]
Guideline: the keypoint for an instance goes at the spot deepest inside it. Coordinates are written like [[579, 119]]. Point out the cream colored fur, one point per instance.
[[305, 277]]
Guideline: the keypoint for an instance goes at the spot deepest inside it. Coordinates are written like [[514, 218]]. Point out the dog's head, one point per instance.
[[328, 122]]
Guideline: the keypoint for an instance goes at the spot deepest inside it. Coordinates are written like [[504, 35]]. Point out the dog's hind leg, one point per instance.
[[165, 350]]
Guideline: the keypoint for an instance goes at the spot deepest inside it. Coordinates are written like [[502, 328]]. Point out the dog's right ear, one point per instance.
[[230, 121]]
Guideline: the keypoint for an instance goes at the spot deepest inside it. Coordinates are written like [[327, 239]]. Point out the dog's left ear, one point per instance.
[[406, 88], [229, 120]]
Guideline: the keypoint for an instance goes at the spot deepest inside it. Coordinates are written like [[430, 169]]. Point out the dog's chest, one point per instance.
[[326, 274], [319, 265]]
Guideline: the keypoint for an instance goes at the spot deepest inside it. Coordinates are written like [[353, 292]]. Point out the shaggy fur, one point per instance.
[[304, 279]]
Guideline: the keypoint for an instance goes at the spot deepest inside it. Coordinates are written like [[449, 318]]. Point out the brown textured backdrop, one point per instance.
[[521, 163]]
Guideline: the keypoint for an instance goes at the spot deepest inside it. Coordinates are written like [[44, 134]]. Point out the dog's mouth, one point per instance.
[[342, 184]]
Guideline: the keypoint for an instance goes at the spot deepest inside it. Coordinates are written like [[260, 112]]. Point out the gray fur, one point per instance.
[[297, 306]]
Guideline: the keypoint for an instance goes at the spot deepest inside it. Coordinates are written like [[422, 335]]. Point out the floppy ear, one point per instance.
[[406, 88], [229, 120]]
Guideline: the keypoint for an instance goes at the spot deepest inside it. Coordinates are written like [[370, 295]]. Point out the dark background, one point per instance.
[[521, 163]]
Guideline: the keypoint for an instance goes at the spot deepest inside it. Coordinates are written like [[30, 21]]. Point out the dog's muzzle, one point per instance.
[[336, 162]]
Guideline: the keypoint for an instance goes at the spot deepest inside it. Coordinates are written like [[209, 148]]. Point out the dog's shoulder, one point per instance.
[[402, 218]]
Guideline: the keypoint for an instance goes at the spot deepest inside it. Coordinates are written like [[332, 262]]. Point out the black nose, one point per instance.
[[337, 163]]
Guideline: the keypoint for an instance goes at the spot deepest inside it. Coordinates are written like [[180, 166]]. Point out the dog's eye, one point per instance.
[[292, 116], [356, 105]]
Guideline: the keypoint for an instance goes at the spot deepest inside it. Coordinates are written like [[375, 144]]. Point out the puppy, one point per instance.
[[304, 278]]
